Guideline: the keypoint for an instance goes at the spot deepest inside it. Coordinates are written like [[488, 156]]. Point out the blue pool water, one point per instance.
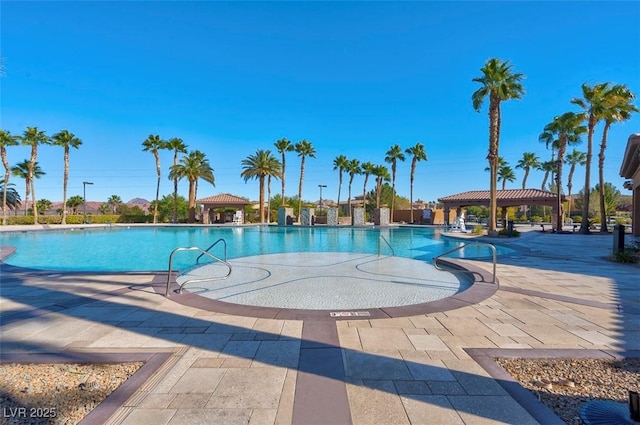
[[121, 249]]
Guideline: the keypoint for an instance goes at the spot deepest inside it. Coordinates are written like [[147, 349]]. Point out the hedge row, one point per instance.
[[79, 218]]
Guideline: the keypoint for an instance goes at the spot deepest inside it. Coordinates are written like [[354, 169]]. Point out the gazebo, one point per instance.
[[505, 198], [223, 200], [630, 169]]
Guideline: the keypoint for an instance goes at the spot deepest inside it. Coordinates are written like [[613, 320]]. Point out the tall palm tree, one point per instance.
[[506, 174], [417, 153], [74, 202], [10, 195], [283, 146], [340, 163], [24, 170], [574, 158], [529, 160], [34, 137], [367, 169], [304, 149], [392, 156], [499, 83], [153, 144], [353, 168], [6, 140], [258, 166], [382, 174], [114, 201], [620, 108], [548, 167], [594, 104], [193, 166], [66, 140], [177, 146]]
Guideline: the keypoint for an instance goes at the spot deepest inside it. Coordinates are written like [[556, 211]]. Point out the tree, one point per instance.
[[74, 202], [10, 195], [506, 174], [382, 174], [44, 205], [574, 158], [114, 202], [283, 146], [194, 166], [304, 149], [392, 156], [177, 146], [104, 209], [547, 167], [258, 166], [21, 170], [340, 163], [167, 204], [619, 108], [6, 140], [418, 154], [529, 160], [499, 83], [594, 105], [33, 137], [353, 168], [367, 169], [153, 144], [66, 140]]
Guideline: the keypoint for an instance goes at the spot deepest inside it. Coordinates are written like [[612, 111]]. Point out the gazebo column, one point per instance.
[[446, 215], [205, 216]]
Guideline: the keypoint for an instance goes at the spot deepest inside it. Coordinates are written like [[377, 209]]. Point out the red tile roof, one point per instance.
[[511, 194], [224, 199]]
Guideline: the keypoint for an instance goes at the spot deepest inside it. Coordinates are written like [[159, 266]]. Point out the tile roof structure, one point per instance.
[[507, 197], [224, 199]]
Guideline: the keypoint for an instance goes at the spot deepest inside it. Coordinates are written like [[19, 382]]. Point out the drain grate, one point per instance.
[[349, 314]]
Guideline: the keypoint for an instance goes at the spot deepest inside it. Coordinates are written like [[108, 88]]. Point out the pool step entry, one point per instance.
[[460, 248]]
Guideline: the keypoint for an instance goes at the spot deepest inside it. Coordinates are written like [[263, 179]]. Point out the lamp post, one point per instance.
[[559, 219], [84, 201], [321, 186]]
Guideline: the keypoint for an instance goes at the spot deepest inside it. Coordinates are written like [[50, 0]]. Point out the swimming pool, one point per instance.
[[125, 249]]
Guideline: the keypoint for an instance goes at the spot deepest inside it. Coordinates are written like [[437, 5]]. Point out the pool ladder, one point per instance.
[[463, 246], [382, 238], [203, 252]]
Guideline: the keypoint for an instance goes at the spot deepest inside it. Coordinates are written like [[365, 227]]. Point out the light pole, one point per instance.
[[84, 201], [321, 186], [559, 218]]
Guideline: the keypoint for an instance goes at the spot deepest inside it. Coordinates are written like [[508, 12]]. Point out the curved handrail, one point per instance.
[[193, 248], [388, 244], [211, 246], [494, 253]]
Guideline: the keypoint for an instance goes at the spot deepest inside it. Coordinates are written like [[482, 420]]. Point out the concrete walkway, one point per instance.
[[558, 295]]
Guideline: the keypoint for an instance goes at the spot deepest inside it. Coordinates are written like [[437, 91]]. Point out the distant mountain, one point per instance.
[[92, 207]]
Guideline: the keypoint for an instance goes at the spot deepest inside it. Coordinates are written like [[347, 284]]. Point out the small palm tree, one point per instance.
[[574, 158], [368, 168], [34, 137], [417, 153], [283, 146], [66, 140], [506, 174], [74, 202], [44, 205], [353, 168], [194, 166], [114, 202], [25, 170], [393, 155], [499, 83], [340, 163], [304, 149], [10, 195], [529, 161], [382, 174], [548, 167], [153, 144], [258, 166], [6, 140], [177, 146]]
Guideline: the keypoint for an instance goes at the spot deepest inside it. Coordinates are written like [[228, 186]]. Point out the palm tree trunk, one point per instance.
[[494, 132], [158, 171], [339, 190], [175, 190], [393, 190], [34, 155], [584, 225], [64, 185], [4, 199], [300, 189], [603, 146], [269, 199], [282, 179], [192, 201], [411, 178], [261, 199]]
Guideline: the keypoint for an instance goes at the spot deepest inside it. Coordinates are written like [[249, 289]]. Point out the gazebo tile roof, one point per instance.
[[224, 198], [511, 194]]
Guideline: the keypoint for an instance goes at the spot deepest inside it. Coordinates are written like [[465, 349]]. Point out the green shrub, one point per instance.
[[536, 219], [627, 255], [478, 229], [505, 232]]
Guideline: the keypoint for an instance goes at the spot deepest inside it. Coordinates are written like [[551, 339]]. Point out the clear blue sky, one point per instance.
[[353, 78]]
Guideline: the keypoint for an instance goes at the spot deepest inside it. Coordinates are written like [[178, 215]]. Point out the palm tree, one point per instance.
[[382, 173], [283, 146], [33, 137], [304, 149], [367, 169], [340, 163], [258, 166], [153, 144], [506, 174], [21, 170], [563, 131], [548, 167], [194, 166], [529, 160], [10, 195], [418, 154], [74, 202], [353, 168], [620, 107], [44, 205], [177, 146], [499, 84], [66, 140], [594, 104], [392, 156], [114, 201], [6, 139], [574, 158]]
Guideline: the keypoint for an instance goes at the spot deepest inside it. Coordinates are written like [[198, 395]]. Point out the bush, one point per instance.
[[627, 255], [478, 229], [505, 232], [536, 219]]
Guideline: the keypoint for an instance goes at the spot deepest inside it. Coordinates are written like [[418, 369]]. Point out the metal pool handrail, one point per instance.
[[212, 245], [388, 244], [193, 248], [494, 253]]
